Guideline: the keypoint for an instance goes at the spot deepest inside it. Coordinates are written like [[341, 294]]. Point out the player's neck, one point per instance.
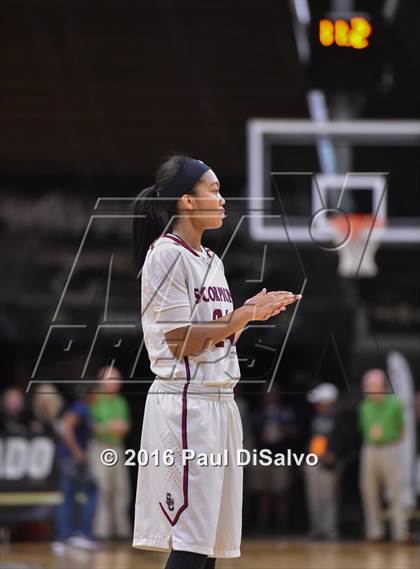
[[191, 237]]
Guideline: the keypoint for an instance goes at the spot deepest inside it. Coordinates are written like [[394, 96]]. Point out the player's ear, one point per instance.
[[187, 201]]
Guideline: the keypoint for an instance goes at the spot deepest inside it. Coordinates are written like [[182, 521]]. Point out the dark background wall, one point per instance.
[[94, 94], [108, 87]]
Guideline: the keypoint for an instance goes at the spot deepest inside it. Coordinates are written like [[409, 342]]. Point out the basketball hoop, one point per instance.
[[357, 237]]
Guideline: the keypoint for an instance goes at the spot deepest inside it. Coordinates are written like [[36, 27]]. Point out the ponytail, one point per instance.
[[148, 223], [155, 207]]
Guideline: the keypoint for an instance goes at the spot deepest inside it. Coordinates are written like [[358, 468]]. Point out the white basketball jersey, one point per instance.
[[180, 286]]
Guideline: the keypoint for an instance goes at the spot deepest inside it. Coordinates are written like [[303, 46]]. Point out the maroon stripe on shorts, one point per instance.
[[184, 446]]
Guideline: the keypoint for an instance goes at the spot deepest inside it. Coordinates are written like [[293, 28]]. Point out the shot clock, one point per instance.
[[346, 51], [354, 34]]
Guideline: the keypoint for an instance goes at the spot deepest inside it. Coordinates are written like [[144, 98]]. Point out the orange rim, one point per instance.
[[356, 222]]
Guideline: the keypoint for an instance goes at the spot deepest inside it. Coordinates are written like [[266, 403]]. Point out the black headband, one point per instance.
[[189, 174]]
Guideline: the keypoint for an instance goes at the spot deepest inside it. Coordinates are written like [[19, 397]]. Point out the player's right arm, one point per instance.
[[199, 336], [164, 281]]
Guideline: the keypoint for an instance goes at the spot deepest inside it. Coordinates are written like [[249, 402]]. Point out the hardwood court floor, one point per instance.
[[256, 554]]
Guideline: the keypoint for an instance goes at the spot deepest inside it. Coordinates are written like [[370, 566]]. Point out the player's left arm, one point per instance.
[[250, 301]]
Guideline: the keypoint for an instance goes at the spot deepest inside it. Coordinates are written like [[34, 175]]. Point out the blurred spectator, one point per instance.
[[382, 425], [274, 426], [13, 415], [75, 477], [47, 405], [244, 411], [248, 444], [111, 422], [321, 479], [344, 444]]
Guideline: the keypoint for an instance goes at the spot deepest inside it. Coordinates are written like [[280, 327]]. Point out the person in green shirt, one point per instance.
[[111, 422], [381, 421]]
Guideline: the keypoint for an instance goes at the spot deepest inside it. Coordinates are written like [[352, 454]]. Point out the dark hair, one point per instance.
[[156, 212]]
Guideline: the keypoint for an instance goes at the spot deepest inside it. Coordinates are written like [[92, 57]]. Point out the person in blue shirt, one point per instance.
[[75, 477], [275, 428]]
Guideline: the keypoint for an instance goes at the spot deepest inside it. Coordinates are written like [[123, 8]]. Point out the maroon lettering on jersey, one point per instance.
[[202, 294], [222, 294], [217, 313], [212, 293], [197, 295]]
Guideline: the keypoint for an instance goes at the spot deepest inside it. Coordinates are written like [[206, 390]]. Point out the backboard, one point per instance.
[[301, 172]]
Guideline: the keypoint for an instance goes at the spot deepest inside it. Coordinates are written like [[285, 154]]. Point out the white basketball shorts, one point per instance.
[[189, 506]]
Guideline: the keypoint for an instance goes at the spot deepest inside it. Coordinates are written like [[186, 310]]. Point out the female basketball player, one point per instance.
[[190, 330]]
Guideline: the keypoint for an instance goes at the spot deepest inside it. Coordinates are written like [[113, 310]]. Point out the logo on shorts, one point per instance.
[[170, 502]]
